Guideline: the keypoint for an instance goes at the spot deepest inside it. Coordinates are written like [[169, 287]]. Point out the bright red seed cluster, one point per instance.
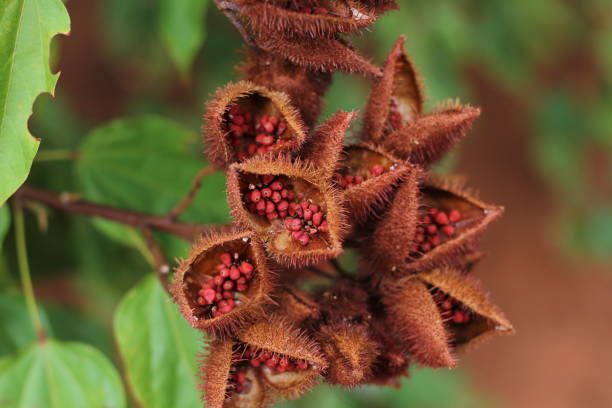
[[249, 136], [275, 199], [232, 277], [451, 309], [347, 180], [436, 226]]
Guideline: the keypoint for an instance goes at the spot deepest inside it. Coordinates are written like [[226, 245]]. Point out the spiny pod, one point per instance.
[[396, 99], [291, 206], [289, 361], [311, 18], [304, 87], [464, 305], [367, 176], [428, 138], [245, 120], [224, 282]]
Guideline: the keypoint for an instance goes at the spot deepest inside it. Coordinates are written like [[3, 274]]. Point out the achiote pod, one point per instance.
[[244, 120], [224, 282], [291, 206], [311, 18]]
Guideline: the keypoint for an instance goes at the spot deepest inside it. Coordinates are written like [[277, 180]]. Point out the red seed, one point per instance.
[[261, 206], [218, 280], [303, 239], [255, 196], [282, 206], [419, 238], [293, 224], [317, 218], [228, 295], [425, 247], [266, 192], [282, 214], [458, 316], [358, 179], [324, 227], [270, 207], [448, 230], [276, 197], [228, 285], [241, 377], [435, 240], [441, 218], [255, 362], [234, 273], [226, 258], [454, 216], [209, 295], [218, 296], [432, 211], [281, 128], [245, 267], [242, 280], [307, 214], [267, 140], [267, 178], [276, 185], [302, 365], [377, 170], [269, 127], [242, 288], [314, 208], [224, 272], [201, 301], [432, 229], [272, 216]]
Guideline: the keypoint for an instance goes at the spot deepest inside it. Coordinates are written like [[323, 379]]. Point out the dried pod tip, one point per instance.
[[245, 120], [223, 282]]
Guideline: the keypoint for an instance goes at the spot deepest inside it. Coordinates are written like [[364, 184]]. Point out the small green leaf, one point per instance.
[[26, 30], [158, 348], [146, 164], [59, 375], [5, 223], [181, 26]]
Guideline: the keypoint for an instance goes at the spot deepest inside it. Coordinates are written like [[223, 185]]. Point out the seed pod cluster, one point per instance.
[[280, 313]]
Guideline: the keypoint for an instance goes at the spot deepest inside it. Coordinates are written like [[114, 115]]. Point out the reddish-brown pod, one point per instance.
[[244, 120], [291, 206], [310, 18], [224, 282]]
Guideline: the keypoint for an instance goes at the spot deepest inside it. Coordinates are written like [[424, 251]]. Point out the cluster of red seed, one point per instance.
[[275, 199], [451, 309], [232, 277], [436, 226], [261, 135], [347, 180]]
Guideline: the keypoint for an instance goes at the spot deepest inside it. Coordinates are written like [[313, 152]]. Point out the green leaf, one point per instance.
[[5, 223], [16, 330], [146, 164], [181, 26], [158, 348], [59, 375], [26, 30]]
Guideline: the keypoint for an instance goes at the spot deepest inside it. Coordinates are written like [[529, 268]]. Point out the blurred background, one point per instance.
[[540, 70]]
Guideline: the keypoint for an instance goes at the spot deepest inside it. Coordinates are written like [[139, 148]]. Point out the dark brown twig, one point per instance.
[[195, 186], [69, 203], [162, 268], [230, 10]]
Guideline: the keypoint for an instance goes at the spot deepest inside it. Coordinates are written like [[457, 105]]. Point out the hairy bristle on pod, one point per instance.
[[291, 205], [215, 370], [244, 120], [224, 282]]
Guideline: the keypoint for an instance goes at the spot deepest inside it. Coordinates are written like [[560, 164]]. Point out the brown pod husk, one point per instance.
[[448, 193], [414, 318], [487, 318], [279, 17], [375, 191], [276, 335], [392, 363], [296, 305], [394, 232], [350, 351], [201, 265], [314, 54], [257, 101], [308, 185], [397, 97], [305, 87], [380, 6], [430, 137], [325, 146], [217, 368]]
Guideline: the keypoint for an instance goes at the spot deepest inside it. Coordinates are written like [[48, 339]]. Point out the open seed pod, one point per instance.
[[314, 54], [451, 219], [396, 99], [224, 282], [229, 381], [312, 18], [428, 138], [245, 120], [415, 321], [464, 305], [367, 175], [291, 206], [288, 361], [305, 87]]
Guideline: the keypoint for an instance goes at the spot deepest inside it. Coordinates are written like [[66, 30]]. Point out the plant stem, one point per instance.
[[24, 271], [195, 186], [69, 203], [56, 155]]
